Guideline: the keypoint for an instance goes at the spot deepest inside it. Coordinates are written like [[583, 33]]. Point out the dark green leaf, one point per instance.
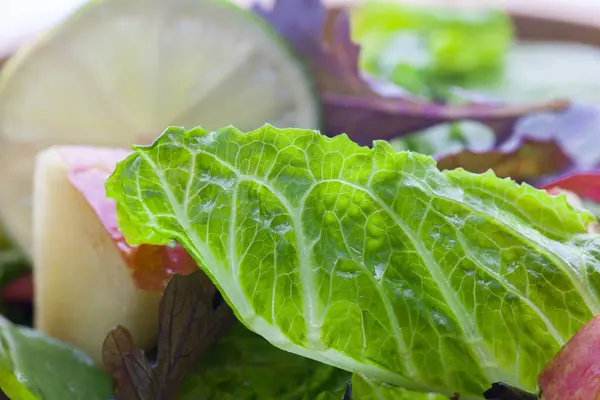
[[529, 160], [364, 388], [243, 366], [424, 48]]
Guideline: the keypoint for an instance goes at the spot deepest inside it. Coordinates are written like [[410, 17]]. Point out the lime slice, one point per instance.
[[118, 72], [21, 21]]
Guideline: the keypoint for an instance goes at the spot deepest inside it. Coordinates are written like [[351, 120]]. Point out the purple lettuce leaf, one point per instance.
[[526, 160], [540, 145], [576, 130], [359, 105]]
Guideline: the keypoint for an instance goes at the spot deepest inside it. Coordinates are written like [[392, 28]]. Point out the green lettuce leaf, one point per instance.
[[34, 367], [423, 49], [370, 260], [244, 366], [364, 388]]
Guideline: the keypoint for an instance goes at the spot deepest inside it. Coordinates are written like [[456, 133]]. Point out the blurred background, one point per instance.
[[23, 19]]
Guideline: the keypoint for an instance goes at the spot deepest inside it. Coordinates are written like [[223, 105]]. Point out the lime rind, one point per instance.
[[16, 126]]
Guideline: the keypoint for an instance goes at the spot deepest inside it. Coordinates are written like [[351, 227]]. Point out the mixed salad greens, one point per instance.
[[435, 241]]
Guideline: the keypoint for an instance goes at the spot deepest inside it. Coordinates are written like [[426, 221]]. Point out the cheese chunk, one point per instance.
[[82, 284]]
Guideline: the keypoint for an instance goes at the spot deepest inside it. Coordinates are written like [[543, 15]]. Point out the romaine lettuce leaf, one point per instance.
[[421, 48], [34, 367], [370, 260], [364, 388], [244, 366]]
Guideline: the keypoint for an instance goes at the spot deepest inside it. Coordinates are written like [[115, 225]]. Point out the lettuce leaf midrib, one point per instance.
[[196, 243]]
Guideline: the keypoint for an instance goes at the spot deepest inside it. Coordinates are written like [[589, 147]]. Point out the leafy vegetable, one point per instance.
[[446, 139], [471, 146], [192, 319], [575, 130], [574, 373], [129, 367], [243, 366], [527, 160], [537, 146], [356, 104], [33, 367], [426, 49], [581, 188], [364, 388], [370, 260], [585, 184]]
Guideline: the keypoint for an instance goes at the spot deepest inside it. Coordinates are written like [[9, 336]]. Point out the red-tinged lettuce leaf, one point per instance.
[[132, 374], [193, 317], [19, 290], [358, 105], [528, 160], [540, 145], [151, 265], [574, 373], [582, 190], [470, 145], [576, 130], [585, 184]]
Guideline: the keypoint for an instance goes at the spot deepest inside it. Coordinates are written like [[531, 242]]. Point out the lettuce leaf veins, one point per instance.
[[369, 260]]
